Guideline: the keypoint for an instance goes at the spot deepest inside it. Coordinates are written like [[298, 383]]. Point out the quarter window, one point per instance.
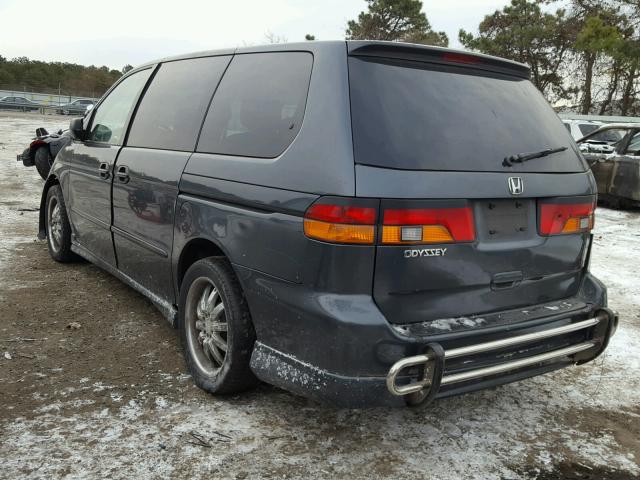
[[109, 122], [173, 107], [258, 108]]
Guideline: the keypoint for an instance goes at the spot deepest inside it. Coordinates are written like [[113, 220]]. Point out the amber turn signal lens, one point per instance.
[[578, 224], [339, 232], [392, 234]]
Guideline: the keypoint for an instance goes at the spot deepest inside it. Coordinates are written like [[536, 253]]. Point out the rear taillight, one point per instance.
[[428, 225], [341, 221], [564, 216]]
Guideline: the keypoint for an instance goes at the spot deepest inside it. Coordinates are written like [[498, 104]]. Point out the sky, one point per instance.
[[120, 32]]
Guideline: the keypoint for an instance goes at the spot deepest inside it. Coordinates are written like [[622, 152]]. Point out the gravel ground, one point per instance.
[[112, 399]]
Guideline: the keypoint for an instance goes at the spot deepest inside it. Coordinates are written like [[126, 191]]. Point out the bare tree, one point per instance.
[[274, 38]]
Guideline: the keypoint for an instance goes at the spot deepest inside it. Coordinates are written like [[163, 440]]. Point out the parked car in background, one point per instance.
[[617, 172], [77, 107], [18, 103], [340, 219]]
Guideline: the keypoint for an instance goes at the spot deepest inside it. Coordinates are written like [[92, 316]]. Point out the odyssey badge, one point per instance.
[[425, 252]]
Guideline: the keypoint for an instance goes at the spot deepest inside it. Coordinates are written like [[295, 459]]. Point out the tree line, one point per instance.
[[584, 55], [22, 74]]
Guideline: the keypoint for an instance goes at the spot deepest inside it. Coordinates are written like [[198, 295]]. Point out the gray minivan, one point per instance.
[[358, 222]]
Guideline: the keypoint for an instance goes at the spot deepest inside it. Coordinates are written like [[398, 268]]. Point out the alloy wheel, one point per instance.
[[54, 224], [206, 326]]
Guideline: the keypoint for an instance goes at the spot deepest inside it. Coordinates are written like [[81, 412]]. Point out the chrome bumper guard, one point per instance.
[[428, 360]]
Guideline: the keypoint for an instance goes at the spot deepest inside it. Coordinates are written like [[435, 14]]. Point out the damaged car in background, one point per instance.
[[615, 165], [43, 149]]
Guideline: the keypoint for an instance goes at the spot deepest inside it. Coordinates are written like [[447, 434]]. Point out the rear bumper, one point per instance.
[[433, 373], [342, 351]]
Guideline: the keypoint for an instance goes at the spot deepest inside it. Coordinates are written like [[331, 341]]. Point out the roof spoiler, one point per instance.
[[445, 56]]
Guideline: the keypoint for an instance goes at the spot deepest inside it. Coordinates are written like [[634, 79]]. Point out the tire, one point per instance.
[[204, 327], [43, 161], [58, 227]]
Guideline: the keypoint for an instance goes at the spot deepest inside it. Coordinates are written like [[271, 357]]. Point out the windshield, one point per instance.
[[420, 116]]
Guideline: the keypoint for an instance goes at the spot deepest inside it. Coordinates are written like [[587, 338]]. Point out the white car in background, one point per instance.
[[601, 143]]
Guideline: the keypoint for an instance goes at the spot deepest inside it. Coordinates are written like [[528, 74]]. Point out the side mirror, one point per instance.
[[76, 128]]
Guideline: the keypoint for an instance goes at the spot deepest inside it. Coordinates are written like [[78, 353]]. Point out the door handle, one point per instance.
[[103, 171], [122, 173]]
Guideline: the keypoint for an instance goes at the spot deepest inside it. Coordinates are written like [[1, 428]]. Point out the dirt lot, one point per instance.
[[112, 399]]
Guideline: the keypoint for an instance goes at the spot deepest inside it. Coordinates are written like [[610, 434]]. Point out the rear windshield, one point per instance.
[[419, 116]]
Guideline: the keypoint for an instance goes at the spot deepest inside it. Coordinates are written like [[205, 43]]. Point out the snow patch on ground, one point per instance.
[[490, 434], [20, 202]]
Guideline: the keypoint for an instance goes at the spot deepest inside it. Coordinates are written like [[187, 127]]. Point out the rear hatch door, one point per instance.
[[430, 137]]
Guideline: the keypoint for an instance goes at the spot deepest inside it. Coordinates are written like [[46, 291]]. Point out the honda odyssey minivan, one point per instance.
[[358, 222]]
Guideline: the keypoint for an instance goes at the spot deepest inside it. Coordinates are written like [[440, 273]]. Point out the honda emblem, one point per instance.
[[516, 187]]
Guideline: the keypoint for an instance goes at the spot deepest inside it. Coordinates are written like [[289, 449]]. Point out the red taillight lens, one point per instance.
[[560, 218], [340, 223], [342, 214], [428, 225]]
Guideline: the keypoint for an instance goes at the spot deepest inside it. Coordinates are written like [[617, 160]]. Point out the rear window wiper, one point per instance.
[[525, 157]]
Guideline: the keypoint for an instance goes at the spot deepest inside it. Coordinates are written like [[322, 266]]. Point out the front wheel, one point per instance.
[[43, 161], [58, 227], [215, 327]]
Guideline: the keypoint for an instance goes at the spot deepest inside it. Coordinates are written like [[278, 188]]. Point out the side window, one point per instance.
[[258, 108], [634, 145], [109, 121], [587, 128], [172, 109]]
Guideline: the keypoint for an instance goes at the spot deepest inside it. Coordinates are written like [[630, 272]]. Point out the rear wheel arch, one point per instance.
[[196, 249]]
